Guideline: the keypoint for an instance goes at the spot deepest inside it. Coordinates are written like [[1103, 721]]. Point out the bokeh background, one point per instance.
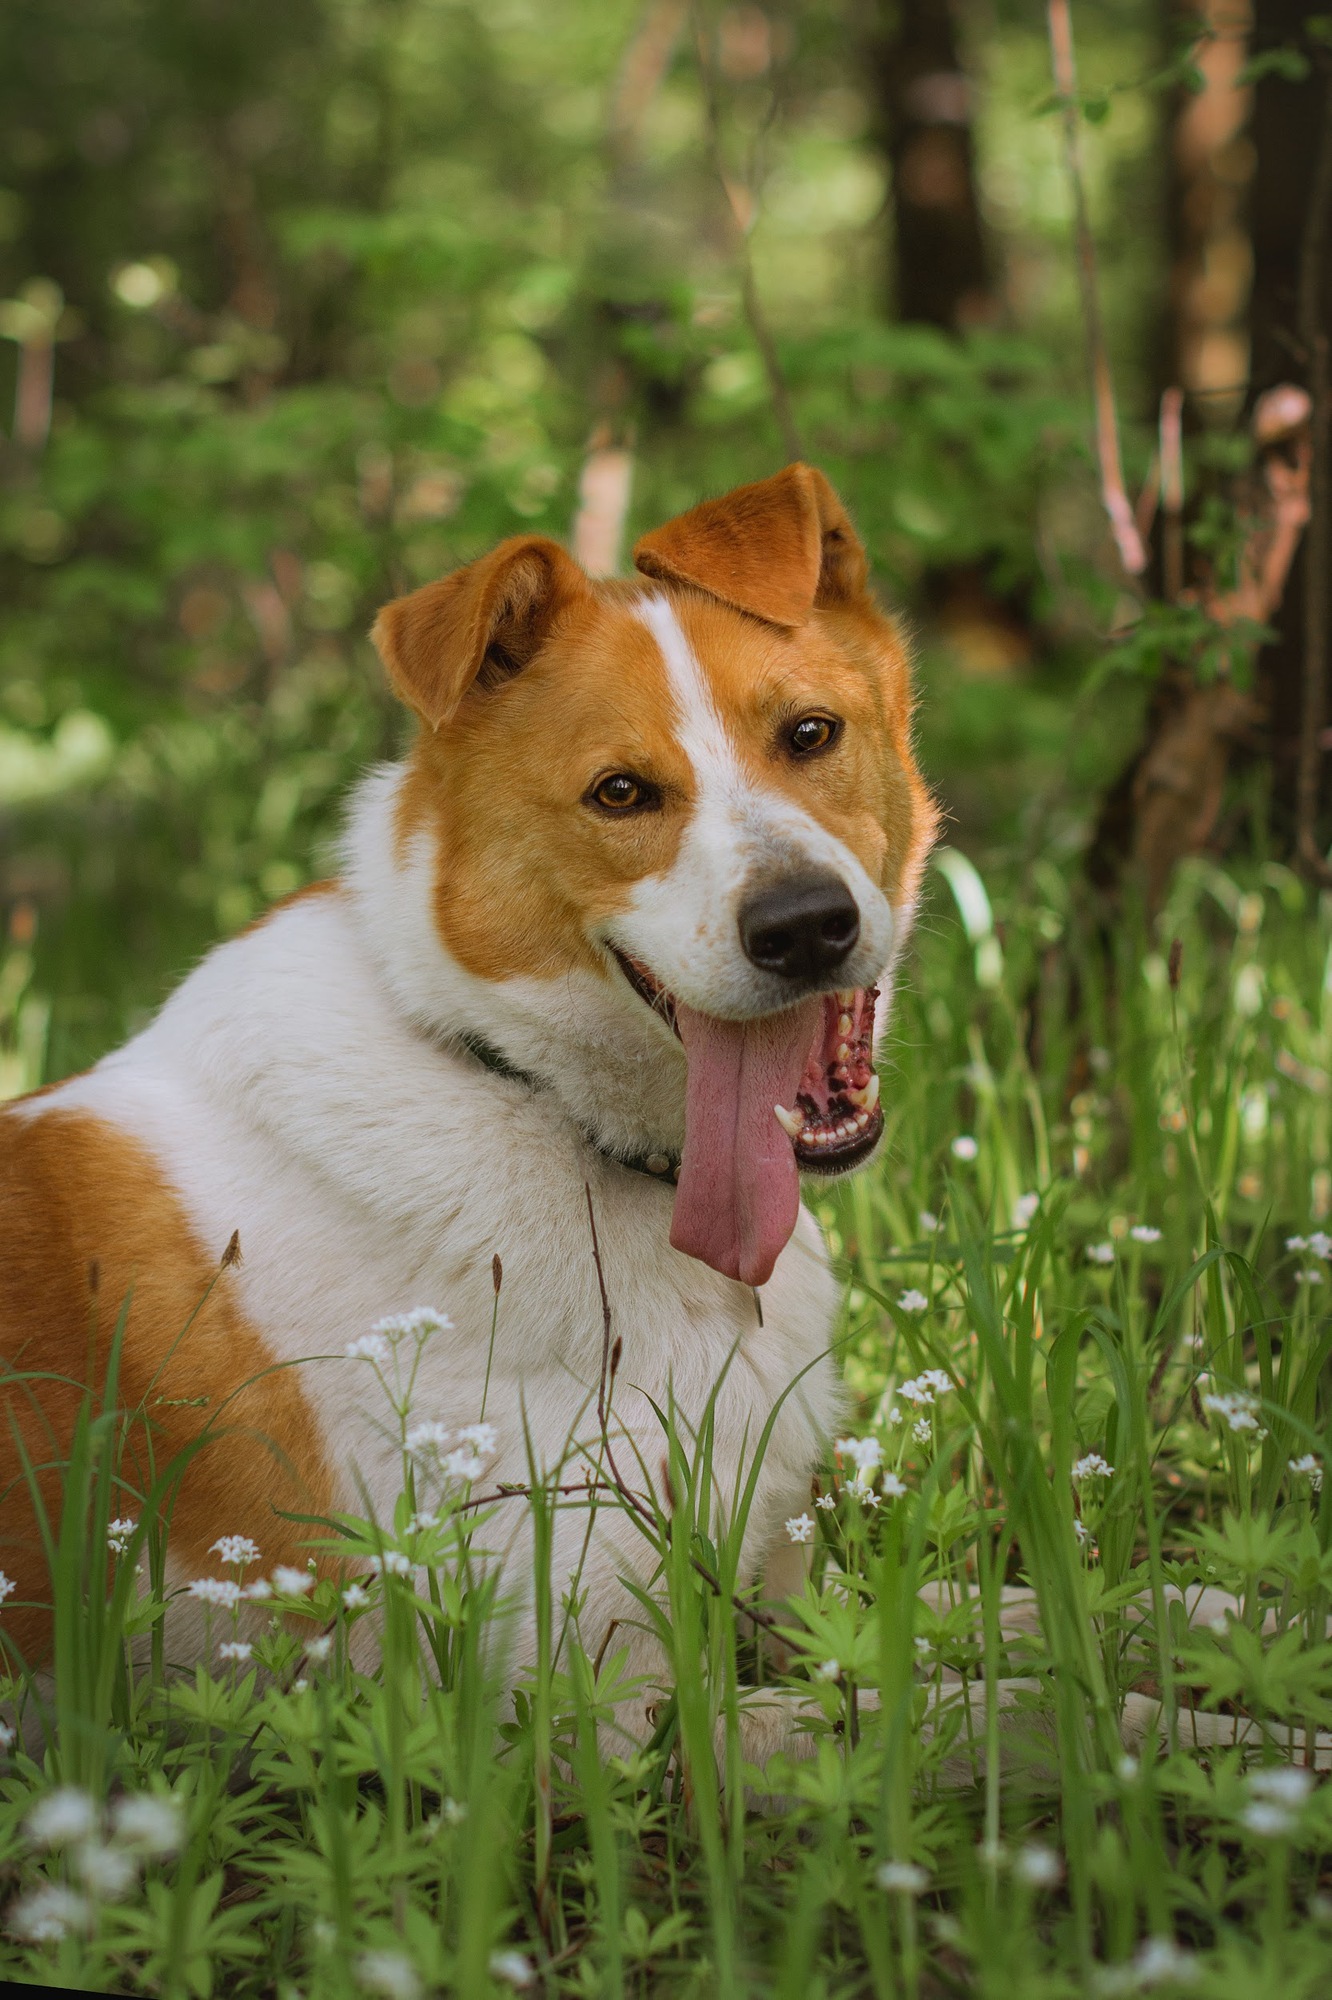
[[307, 303]]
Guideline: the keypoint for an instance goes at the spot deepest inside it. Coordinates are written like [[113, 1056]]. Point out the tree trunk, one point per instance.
[[940, 268], [1286, 125]]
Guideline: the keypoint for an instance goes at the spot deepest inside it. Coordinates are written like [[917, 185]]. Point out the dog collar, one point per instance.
[[657, 1166]]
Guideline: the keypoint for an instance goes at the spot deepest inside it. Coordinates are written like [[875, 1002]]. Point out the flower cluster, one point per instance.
[[144, 1826], [1100, 1253], [1276, 1796], [236, 1550], [1319, 1244], [914, 1301], [1309, 1467], [926, 1387], [7, 1586], [1093, 1466], [118, 1534], [1236, 1409]]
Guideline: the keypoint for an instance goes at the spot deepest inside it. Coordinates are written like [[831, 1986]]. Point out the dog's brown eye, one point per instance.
[[812, 732], [620, 793]]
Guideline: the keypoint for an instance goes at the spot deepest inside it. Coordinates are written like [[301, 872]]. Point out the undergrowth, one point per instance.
[[1085, 1328]]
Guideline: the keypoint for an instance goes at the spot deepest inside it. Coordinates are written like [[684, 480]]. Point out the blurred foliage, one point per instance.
[[334, 292]]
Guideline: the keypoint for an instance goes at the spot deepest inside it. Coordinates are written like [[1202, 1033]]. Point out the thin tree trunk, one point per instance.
[[940, 266]]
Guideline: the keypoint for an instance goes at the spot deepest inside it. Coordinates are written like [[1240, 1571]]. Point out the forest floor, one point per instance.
[[1086, 1329]]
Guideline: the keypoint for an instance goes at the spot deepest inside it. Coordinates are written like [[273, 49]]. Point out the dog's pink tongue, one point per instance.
[[739, 1191]]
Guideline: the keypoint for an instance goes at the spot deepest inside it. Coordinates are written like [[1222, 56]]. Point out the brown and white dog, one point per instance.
[[628, 903]]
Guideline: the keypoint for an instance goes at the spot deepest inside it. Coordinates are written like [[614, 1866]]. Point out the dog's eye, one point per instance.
[[813, 732], [621, 793]]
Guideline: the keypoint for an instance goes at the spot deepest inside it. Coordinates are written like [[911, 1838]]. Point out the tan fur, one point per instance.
[[86, 1221]]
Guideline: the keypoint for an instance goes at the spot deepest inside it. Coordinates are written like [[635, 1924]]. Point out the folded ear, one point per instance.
[[482, 624], [776, 549]]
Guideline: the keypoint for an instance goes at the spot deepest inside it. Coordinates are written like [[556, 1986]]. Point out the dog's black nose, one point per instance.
[[800, 928]]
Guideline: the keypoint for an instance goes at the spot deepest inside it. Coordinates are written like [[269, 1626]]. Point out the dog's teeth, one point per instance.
[[843, 1052], [846, 996], [868, 1097], [790, 1121], [844, 1025]]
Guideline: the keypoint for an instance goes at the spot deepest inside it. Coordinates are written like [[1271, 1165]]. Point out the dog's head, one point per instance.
[[689, 802]]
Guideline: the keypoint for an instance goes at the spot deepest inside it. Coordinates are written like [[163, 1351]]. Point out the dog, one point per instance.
[[613, 938]]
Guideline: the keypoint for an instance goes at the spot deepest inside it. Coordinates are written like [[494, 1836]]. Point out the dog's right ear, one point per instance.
[[480, 625]]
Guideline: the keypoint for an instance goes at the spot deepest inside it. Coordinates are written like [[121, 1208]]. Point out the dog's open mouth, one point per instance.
[[765, 1097]]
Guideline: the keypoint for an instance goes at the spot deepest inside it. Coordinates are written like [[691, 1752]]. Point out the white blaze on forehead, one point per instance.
[[702, 733]]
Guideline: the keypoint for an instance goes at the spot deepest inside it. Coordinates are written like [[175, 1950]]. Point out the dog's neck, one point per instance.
[[591, 1042]]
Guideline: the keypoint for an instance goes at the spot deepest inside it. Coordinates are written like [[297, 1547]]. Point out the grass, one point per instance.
[[1094, 1235]]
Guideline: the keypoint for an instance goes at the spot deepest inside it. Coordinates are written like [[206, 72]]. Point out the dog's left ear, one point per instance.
[[778, 549], [476, 628]]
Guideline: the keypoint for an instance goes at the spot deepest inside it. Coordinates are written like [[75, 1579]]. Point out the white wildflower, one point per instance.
[[106, 1872], [894, 1417], [118, 1534], [147, 1821], [7, 1586], [481, 1437], [418, 1324], [902, 1878], [392, 1563], [964, 1147], [1309, 1467], [914, 1302], [1308, 1277], [237, 1549], [1126, 1770], [463, 1464], [452, 1811], [1160, 1959], [1321, 1243], [925, 1387], [1268, 1820], [389, 1973], [1283, 1784], [370, 1347], [6, 1737], [49, 1913], [865, 1453], [1143, 1232], [1100, 1253], [1025, 1210], [868, 1497], [1039, 1867], [319, 1649], [1093, 1466], [512, 1968], [891, 1486], [290, 1582], [921, 1431], [921, 1644], [1237, 1409], [427, 1440], [928, 1222], [1082, 1531], [66, 1814], [828, 1670], [235, 1649], [827, 1503], [355, 1596], [256, 1592], [215, 1590], [1297, 1243], [800, 1528]]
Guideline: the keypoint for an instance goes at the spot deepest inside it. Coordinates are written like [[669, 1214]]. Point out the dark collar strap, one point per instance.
[[657, 1166]]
